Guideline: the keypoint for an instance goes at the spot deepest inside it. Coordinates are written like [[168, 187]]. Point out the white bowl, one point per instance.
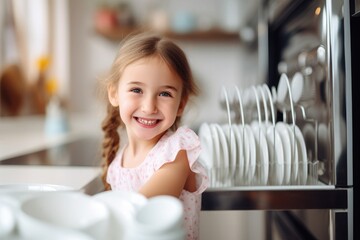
[[123, 207], [110, 198], [59, 213], [7, 220], [161, 216]]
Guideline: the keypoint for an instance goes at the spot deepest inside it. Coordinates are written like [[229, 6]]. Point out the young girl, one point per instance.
[[148, 88]]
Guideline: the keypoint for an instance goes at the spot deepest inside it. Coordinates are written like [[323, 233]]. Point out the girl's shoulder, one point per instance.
[[185, 133], [172, 142], [184, 138]]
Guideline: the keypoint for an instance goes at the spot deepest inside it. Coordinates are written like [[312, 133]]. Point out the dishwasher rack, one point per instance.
[[255, 149]]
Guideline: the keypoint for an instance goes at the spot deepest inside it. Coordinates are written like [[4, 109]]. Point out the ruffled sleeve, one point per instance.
[[183, 139]]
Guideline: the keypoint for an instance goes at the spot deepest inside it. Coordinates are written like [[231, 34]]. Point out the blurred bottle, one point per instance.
[[55, 118]]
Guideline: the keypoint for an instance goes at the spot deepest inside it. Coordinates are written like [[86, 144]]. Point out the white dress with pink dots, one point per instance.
[[132, 179]]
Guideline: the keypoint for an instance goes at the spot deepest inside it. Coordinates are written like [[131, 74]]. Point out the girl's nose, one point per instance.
[[149, 105]]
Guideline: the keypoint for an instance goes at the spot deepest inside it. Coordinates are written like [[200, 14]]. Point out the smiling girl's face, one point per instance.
[[149, 97]]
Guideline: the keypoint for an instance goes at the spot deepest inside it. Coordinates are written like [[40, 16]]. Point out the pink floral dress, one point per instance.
[[132, 179]]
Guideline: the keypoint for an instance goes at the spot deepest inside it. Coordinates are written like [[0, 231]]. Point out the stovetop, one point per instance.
[[81, 152]]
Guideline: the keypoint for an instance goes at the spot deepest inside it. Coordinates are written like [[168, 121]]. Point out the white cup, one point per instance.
[[63, 215]]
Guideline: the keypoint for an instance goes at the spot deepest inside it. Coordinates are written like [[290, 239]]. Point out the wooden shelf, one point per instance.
[[210, 35], [116, 34]]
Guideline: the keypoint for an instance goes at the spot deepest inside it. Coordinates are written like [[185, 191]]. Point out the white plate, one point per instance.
[[223, 155], [262, 153], [281, 128], [250, 139], [215, 172], [233, 148], [216, 145], [276, 156], [245, 154], [226, 132], [239, 175], [303, 163], [294, 155], [253, 154], [207, 155]]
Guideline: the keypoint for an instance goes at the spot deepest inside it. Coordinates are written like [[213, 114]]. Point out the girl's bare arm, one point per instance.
[[170, 179]]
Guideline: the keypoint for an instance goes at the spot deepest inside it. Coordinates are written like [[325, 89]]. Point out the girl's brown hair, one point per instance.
[[135, 47]]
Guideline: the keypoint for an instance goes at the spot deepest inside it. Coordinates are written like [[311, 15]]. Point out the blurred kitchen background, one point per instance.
[[62, 47], [52, 53]]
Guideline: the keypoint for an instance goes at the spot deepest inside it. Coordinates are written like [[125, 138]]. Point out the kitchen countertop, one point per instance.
[[80, 178], [23, 135], [30, 156]]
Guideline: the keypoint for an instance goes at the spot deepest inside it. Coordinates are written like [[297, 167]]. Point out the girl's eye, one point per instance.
[[136, 90], [165, 94]]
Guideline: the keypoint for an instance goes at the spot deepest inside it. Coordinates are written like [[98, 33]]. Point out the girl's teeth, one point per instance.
[[147, 122]]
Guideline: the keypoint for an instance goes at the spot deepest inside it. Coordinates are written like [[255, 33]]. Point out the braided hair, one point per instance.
[[111, 141]]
